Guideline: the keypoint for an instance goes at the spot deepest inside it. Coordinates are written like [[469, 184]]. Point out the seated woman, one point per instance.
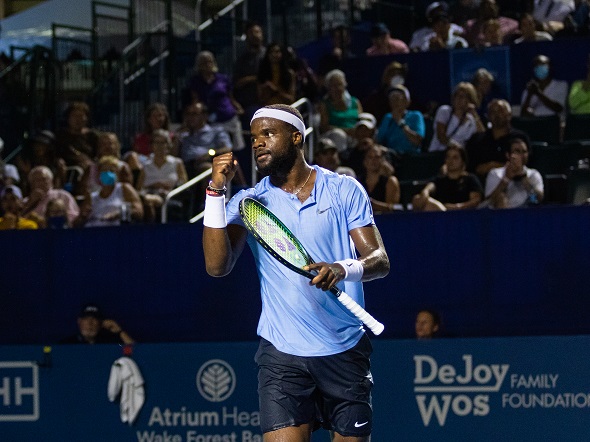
[[455, 124], [338, 109], [155, 117], [213, 88], [454, 189], [160, 174], [383, 189], [107, 144], [114, 202], [276, 81], [401, 130], [40, 150]]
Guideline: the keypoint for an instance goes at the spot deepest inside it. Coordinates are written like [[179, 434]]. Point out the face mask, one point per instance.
[[57, 222], [541, 71], [108, 178], [396, 80]]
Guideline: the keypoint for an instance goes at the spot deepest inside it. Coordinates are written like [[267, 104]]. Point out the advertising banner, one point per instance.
[[518, 389]]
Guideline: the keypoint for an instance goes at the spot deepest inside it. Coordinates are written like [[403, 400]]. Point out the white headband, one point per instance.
[[282, 115]]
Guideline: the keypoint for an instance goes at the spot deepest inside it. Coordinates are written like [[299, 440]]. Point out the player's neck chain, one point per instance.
[[303, 185]]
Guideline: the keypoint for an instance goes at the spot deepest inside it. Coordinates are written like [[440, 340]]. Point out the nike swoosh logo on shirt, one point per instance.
[[357, 425], [324, 210]]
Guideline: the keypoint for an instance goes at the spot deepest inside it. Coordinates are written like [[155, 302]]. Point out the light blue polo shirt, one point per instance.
[[297, 318]]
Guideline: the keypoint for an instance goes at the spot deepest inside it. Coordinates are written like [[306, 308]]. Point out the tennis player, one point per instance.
[[313, 357]]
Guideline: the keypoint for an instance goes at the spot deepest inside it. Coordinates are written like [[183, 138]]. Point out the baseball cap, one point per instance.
[[379, 29], [90, 310], [44, 137], [325, 145], [366, 119], [438, 7], [400, 88], [11, 189]]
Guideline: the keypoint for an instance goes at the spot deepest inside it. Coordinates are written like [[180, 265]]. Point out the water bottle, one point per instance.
[[126, 213], [532, 199]]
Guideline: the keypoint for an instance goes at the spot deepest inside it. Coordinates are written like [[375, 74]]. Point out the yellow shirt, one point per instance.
[[22, 223], [579, 99]]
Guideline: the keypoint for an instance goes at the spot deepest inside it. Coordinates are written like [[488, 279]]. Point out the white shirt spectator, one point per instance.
[[457, 130], [516, 194], [557, 90], [552, 10]]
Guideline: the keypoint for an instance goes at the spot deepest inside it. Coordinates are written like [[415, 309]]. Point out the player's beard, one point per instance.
[[280, 164]]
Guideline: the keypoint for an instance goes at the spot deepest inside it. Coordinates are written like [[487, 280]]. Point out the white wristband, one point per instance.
[[353, 269], [215, 212]]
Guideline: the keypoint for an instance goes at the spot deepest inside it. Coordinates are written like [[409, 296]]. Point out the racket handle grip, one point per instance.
[[375, 326]]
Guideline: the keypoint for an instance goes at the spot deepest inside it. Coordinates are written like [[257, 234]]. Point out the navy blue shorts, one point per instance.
[[333, 391]]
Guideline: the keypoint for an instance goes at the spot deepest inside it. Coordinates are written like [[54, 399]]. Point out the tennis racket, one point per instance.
[[280, 242]]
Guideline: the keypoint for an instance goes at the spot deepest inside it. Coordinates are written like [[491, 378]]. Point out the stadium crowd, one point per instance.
[[80, 177]]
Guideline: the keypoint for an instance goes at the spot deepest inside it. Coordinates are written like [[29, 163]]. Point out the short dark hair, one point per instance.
[[433, 313], [516, 138]]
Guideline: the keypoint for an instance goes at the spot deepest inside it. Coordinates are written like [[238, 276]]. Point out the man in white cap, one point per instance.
[[304, 333]]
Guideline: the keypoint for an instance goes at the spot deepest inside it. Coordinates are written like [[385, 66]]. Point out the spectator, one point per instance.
[[383, 43], [514, 184], [76, 143], [114, 202], [528, 31], [338, 109], [421, 37], [454, 189], [427, 324], [579, 96], [42, 191], [108, 144], [160, 175], [338, 53], [8, 172], [94, 328], [246, 71], [363, 137], [492, 33], [11, 201], [462, 11], [199, 141], [550, 14], [383, 190], [276, 80], [455, 124], [483, 82], [543, 94], [487, 150], [377, 102], [213, 88], [443, 37], [156, 116], [307, 84], [577, 22], [56, 215], [488, 9], [401, 130], [40, 150], [326, 156]]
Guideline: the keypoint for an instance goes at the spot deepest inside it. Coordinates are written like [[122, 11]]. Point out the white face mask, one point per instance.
[[396, 80]]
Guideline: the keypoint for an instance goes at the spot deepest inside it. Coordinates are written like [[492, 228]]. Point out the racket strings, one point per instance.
[[272, 231]]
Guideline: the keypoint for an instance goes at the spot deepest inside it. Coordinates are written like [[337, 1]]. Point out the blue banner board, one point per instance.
[[519, 389]]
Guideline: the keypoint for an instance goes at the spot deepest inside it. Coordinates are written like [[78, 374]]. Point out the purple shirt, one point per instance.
[[216, 95]]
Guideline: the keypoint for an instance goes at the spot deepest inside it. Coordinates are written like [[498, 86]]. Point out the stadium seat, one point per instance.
[[577, 127], [554, 159], [422, 166], [409, 188], [578, 186], [546, 129]]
